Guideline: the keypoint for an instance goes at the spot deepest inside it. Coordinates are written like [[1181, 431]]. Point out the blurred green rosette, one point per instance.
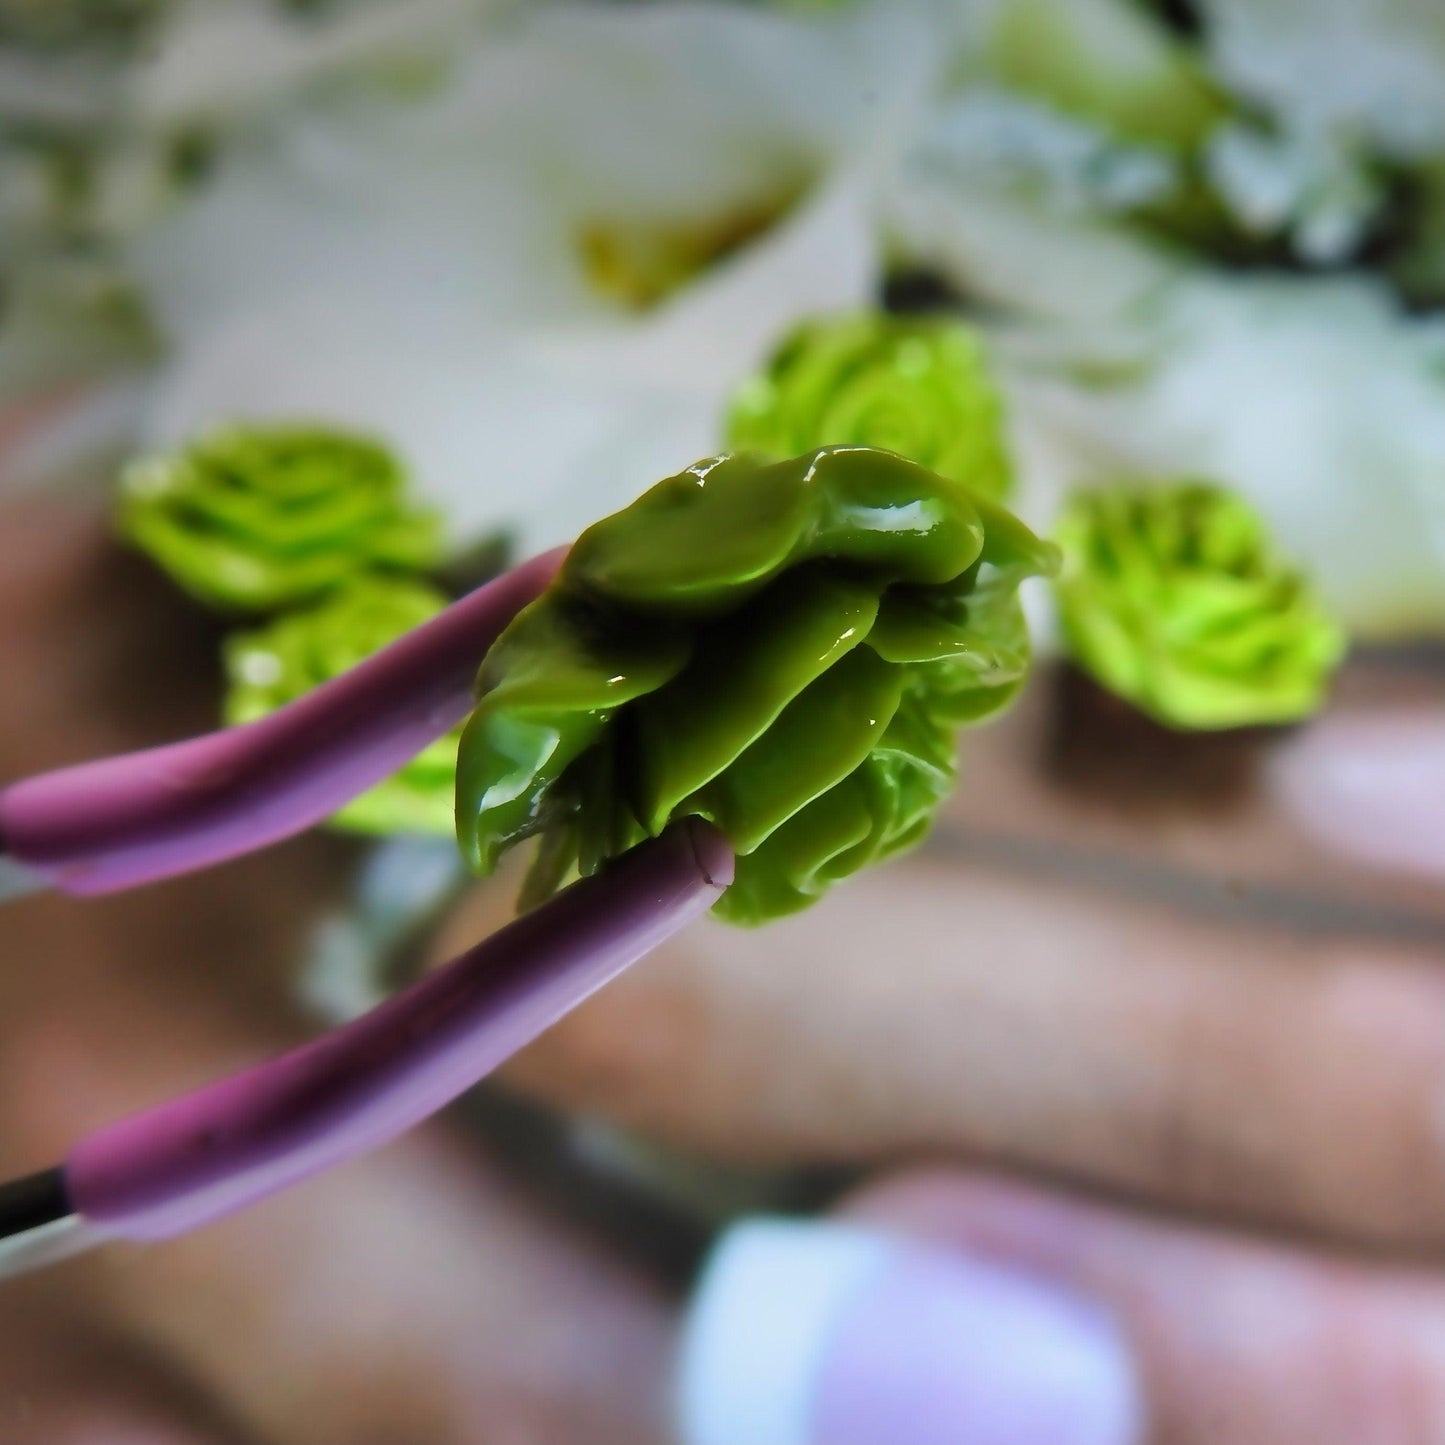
[[274, 665], [256, 519], [786, 649], [1175, 598], [916, 386]]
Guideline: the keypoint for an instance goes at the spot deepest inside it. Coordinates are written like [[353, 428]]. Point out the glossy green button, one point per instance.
[[784, 648]]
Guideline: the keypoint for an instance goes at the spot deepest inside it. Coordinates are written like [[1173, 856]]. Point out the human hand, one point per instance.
[[1095, 999], [1192, 990]]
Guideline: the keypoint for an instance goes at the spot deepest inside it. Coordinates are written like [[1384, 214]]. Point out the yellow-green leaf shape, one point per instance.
[[1175, 598], [274, 665], [255, 519], [784, 648], [918, 386]]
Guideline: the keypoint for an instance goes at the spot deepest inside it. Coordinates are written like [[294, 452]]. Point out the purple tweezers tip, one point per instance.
[[121, 822], [200, 1157], [711, 851]]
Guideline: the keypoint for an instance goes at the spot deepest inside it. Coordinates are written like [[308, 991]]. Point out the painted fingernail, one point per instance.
[[824, 1334], [1372, 789]]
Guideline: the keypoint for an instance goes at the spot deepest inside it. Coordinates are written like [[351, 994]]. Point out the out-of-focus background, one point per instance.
[[537, 247], [545, 254]]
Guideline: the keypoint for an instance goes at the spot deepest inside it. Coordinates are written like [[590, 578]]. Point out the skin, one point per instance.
[[1217, 1107]]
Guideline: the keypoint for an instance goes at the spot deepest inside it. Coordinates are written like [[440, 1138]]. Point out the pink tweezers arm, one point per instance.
[[124, 821], [194, 1159]]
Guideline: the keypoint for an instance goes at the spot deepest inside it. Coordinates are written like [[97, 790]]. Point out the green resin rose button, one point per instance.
[[916, 386], [786, 649], [255, 519], [1175, 599]]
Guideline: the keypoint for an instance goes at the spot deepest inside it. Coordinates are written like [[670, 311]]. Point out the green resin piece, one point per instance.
[[784, 648], [276, 664], [916, 386], [256, 519], [1176, 599]]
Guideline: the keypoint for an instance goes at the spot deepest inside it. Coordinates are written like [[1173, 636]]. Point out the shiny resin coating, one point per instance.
[[785, 649]]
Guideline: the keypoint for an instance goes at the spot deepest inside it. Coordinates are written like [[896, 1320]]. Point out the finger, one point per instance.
[[1277, 1075], [413, 1296], [64, 1382], [1256, 822], [1233, 1340], [1259, 825], [100, 653], [954, 1307], [1371, 786], [809, 1332]]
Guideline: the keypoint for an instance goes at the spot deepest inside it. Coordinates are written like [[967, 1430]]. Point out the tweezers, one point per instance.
[[121, 822]]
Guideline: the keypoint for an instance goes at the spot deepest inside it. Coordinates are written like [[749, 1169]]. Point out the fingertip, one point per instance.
[[806, 1333], [1369, 787]]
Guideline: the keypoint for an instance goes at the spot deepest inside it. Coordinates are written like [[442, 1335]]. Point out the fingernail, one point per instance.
[[825, 1334], [1372, 789]]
